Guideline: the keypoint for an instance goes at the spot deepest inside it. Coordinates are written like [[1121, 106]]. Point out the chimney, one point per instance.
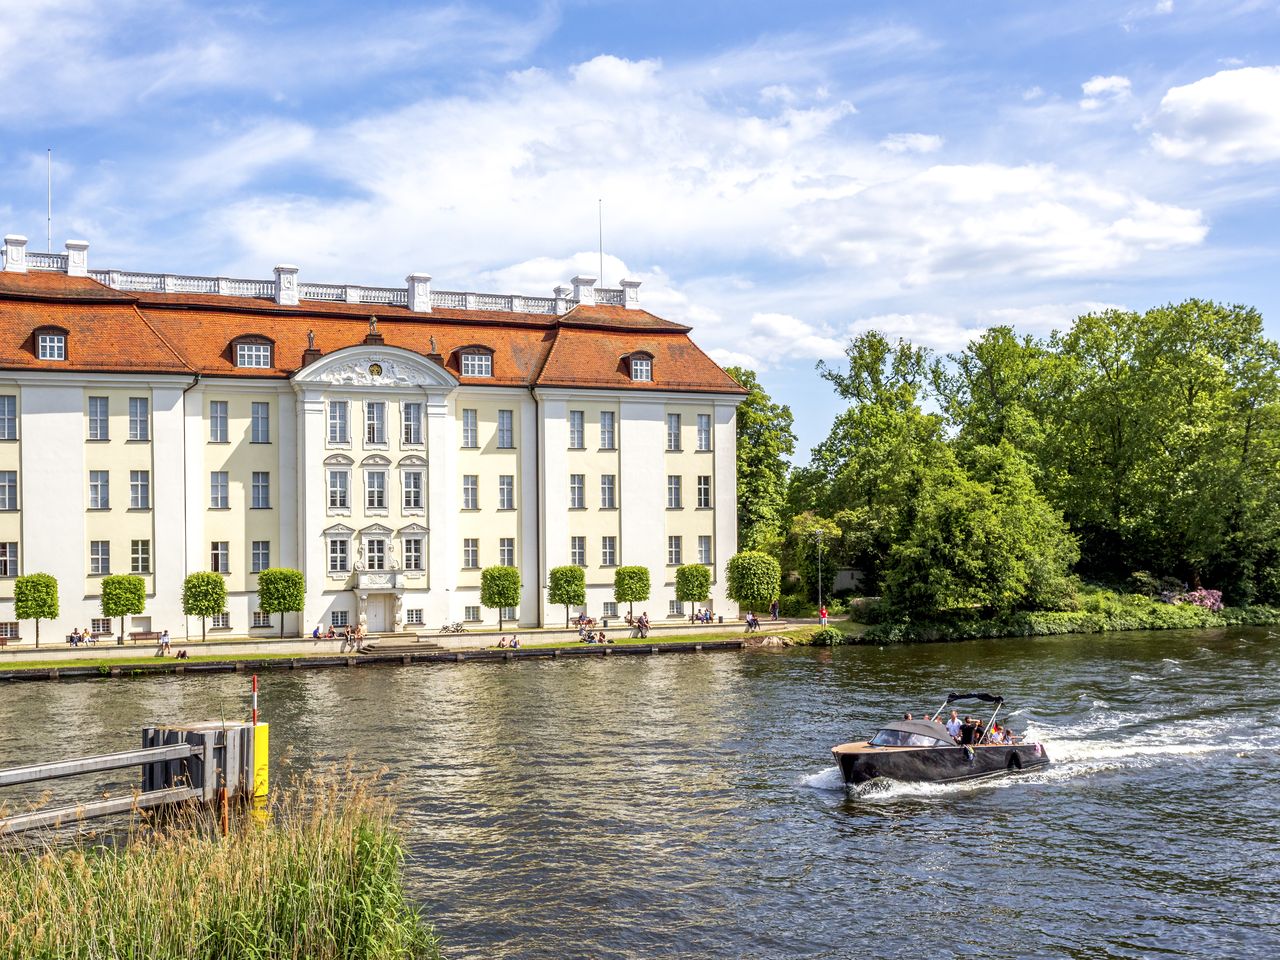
[[419, 292], [630, 293], [287, 285], [584, 291], [15, 254], [562, 299], [77, 258]]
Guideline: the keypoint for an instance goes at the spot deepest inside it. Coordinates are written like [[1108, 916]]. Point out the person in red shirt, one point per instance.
[[822, 615]]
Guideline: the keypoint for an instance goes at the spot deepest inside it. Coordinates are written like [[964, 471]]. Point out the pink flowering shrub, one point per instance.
[[1209, 599]]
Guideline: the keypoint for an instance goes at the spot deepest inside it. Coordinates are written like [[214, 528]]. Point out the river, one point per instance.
[[686, 805]]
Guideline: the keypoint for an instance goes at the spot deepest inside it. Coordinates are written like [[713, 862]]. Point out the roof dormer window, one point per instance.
[[51, 346], [253, 354], [642, 368], [477, 364]]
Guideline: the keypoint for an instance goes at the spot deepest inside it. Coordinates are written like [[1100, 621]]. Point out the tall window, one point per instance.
[[338, 428], [99, 418], [339, 556], [577, 439], [9, 559], [253, 355], [260, 423], [578, 551], [608, 491], [704, 492], [704, 549], [477, 365], [608, 551], [375, 554], [339, 480], [506, 432], [139, 556], [261, 490], [675, 551], [470, 552], [674, 501], [260, 556], [219, 557], [139, 418], [375, 422], [673, 431], [218, 421], [506, 492], [8, 489], [411, 418], [506, 551], [641, 368], [9, 418], [577, 491], [375, 490], [470, 430], [52, 346], [413, 553], [470, 491], [99, 490], [139, 489], [608, 438], [412, 483], [99, 558], [218, 486], [704, 431]]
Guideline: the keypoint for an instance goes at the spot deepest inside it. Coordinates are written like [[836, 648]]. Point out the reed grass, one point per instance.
[[317, 877]]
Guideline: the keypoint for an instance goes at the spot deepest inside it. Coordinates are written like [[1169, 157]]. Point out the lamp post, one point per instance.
[[818, 534]]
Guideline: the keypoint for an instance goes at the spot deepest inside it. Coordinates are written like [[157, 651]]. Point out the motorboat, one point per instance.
[[923, 751]]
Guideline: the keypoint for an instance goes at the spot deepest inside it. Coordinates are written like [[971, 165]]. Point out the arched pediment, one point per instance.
[[370, 365], [413, 460], [338, 460], [375, 460]]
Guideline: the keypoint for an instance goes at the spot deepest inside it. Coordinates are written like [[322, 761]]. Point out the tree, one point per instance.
[[281, 590], [35, 597], [500, 587], [754, 579], [204, 595], [123, 595], [693, 583], [765, 441], [567, 585], [631, 584]]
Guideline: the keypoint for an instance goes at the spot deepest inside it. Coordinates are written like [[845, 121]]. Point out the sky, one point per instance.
[[780, 176]]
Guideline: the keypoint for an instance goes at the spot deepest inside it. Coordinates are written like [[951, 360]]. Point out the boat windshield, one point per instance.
[[903, 738]]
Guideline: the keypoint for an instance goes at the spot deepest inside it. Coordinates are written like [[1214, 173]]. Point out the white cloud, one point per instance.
[[1232, 116], [1102, 91], [1032, 93], [616, 75], [912, 143], [1163, 7]]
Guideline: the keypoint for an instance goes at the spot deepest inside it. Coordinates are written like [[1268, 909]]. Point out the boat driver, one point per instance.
[[969, 732]]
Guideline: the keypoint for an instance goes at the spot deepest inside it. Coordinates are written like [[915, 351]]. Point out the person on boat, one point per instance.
[[969, 732], [953, 725], [907, 716]]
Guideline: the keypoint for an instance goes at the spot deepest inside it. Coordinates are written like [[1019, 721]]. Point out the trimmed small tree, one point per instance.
[[123, 595], [754, 579], [499, 587], [631, 584], [35, 597], [281, 590], [567, 585], [693, 583], [204, 595]]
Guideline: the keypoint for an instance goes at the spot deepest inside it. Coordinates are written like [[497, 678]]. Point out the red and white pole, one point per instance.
[[255, 699]]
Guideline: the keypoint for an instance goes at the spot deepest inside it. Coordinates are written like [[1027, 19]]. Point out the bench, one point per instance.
[[148, 636], [4, 641]]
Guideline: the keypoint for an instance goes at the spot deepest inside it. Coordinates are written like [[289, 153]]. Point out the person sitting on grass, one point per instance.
[[515, 642], [502, 643]]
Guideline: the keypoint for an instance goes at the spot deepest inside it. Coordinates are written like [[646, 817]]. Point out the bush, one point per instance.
[[827, 637]]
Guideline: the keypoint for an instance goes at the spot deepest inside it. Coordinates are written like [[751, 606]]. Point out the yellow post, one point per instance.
[[261, 753]]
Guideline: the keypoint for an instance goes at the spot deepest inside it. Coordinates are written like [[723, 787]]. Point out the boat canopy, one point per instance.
[[988, 697], [926, 728]]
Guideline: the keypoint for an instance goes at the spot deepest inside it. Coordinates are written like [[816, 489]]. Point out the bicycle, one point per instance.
[[453, 628]]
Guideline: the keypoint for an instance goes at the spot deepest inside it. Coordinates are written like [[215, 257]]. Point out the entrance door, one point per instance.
[[378, 613]]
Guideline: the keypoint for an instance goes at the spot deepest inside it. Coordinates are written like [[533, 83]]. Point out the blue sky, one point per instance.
[[780, 175]]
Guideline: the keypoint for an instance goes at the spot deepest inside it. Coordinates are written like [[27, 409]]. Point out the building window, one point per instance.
[[139, 489], [470, 491], [139, 418], [220, 621], [218, 490], [219, 557], [339, 481], [375, 554], [337, 618], [411, 418], [506, 551], [99, 490], [704, 431], [470, 553], [253, 355], [704, 549], [140, 556], [608, 491], [413, 553], [609, 608], [260, 423], [704, 492], [413, 616], [99, 625], [261, 490], [506, 430], [641, 369], [577, 432], [99, 418], [675, 551], [673, 431], [477, 365], [674, 499], [375, 422], [8, 489], [99, 558], [507, 492], [412, 483], [338, 430], [470, 430], [9, 559], [217, 421], [339, 556], [577, 491], [9, 629], [608, 437], [608, 551], [375, 490], [578, 551], [507, 613], [675, 608], [471, 614], [260, 556], [52, 346], [261, 619]]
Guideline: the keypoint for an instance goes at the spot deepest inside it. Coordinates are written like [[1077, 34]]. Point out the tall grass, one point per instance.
[[319, 877]]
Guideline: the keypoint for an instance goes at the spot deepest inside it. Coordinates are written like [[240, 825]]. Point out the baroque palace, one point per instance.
[[388, 442]]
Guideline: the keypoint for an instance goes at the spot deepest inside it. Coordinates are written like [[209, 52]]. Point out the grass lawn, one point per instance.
[[145, 659], [658, 640]]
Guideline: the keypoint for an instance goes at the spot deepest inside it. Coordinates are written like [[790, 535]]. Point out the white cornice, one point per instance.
[[639, 396]]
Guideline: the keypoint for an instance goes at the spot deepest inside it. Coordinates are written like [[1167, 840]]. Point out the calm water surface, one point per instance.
[[685, 805]]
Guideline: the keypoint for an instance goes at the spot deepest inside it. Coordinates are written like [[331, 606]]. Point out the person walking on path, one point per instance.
[[773, 610], [822, 615]]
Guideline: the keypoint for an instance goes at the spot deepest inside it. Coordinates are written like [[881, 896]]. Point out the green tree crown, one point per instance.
[[204, 594], [693, 583], [753, 578], [500, 587], [123, 595]]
